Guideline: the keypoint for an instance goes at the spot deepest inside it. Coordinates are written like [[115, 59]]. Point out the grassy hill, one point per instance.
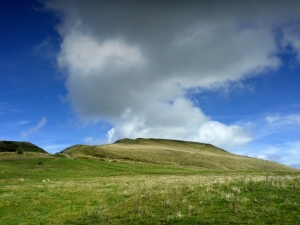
[[146, 181], [12, 146], [173, 152], [14, 150]]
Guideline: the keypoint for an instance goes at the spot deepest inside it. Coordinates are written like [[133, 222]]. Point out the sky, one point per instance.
[[92, 72]]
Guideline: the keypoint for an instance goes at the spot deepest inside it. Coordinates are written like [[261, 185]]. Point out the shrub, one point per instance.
[[20, 150]]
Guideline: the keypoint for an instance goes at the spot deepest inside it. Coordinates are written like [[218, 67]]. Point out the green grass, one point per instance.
[[124, 186], [89, 191]]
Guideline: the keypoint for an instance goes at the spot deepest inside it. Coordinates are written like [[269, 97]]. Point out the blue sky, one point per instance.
[[92, 72]]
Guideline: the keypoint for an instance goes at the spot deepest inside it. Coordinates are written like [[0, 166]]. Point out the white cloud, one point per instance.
[[276, 139], [82, 54], [132, 63], [227, 137], [22, 122], [287, 153], [290, 119], [179, 120], [291, 36], [88, 140], [19, 123], [280, 124], [35, 129]]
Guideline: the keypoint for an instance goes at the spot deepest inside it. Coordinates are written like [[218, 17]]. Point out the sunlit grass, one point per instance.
[[152, 199], [117, 189], [170, 152]]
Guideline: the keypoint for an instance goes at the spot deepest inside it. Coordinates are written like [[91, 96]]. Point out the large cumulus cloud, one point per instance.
[[131, 63]]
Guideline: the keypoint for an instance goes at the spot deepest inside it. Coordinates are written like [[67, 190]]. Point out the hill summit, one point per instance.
[[173, 152]]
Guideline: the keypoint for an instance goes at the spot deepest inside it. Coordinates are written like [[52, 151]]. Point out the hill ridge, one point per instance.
[[173, 152], [145, 140]]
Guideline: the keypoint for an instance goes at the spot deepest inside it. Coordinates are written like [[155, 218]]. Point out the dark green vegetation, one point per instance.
[[38, 188], [14, 146]]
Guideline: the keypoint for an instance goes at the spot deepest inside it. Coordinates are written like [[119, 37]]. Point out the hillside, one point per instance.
[[173, 152], [12, 146], [146, 181]]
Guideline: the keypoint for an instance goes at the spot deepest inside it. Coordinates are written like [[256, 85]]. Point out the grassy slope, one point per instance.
[[92, 191], [12, 146], [95, 190], [170, 152]]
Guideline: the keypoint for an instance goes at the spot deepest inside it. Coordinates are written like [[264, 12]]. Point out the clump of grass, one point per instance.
[[235, 204]]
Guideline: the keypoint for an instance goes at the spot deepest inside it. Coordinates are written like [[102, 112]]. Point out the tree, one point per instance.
[[20, 150]]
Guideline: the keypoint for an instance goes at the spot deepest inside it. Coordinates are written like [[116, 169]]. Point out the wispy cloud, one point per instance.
[[93, 141], [22, 122], [32, 130], [88, 139], [283, 120], [276, 138], [19, 123], [276, 126], [287, 153], [45, 49], [6, 108]]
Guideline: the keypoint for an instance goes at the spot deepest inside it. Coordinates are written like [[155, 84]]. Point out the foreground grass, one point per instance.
[[99, 192]]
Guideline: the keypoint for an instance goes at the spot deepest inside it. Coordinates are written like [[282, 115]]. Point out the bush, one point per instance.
[[20, 150]]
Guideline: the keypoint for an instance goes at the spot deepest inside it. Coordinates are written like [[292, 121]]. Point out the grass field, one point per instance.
[[90, 191], [115, 184]]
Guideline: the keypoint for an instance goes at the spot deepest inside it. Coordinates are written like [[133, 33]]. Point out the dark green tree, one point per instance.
[[20, 150]]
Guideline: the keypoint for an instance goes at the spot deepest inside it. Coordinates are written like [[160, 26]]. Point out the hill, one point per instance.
[[146, 181], [12, 146], [173, 152]]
